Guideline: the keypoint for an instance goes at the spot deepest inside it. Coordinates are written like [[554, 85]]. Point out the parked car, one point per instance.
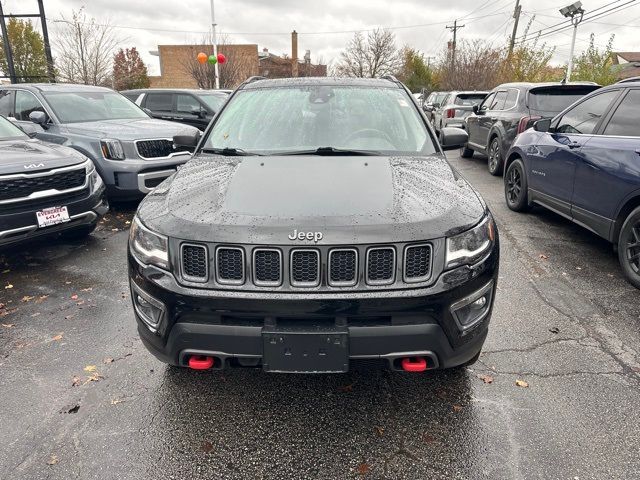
[[191, 107], [509, 110], [455, 107], [45, 188], [132, 152], [432, 102], [318, 224], [585, 165]]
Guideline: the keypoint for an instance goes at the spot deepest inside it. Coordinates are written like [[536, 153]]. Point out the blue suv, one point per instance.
[[585, 165]]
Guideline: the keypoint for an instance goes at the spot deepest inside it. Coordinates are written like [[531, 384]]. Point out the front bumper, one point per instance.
[[381, 325], [19, 222]]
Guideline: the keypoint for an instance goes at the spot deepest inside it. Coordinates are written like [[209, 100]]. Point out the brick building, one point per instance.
[[274, 66]]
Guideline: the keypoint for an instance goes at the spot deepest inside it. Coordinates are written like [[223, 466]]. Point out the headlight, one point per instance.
[[148, 247], [468, 247], [112, 149], [94, 177]]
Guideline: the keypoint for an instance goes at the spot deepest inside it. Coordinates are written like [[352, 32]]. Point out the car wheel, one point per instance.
[[466, 152], [629, 248], [495, 158], [515, 187]]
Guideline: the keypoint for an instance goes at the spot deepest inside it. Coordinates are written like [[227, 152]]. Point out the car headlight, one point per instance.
[[148, 247], [469, 247], [94, 177], [112, 149]]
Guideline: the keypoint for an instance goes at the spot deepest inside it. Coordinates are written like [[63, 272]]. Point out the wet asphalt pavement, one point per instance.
[[81, 398]]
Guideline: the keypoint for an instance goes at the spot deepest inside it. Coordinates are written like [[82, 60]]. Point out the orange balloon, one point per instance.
[[202, 58]]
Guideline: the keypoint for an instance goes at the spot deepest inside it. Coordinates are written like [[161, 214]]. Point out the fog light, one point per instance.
[[471, 310], [150, 310]]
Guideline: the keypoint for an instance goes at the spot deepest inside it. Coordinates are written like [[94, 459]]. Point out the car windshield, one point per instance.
[[214, 102], [292, 119], [468, 99], [74, 107], [552, 100], [9, 130]]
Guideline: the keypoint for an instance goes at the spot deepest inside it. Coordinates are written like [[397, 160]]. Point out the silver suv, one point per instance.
[[132, 152]]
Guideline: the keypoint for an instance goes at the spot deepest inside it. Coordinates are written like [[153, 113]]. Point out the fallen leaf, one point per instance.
[[2, 305], [90, 368], [522, 383], [347, 388], [67, 283], [52, 460], [81, 302], [8, 325], [207, 447], [86, 289], [75, 381], [116, 401], [95, 377], [69, 317], [70, 409], [127, 222], [8, 286], [35, 314], [543, 256], [74, 297], [6, 312], [363, 469], [6, 271], [41, 298], [57, 337], [107, 360], [379, 431], [457, 408], [26, 299], [486, 378], [554, 330], [578, 268]]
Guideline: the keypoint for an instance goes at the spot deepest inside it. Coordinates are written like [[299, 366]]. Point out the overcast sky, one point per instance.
[[326, 26]]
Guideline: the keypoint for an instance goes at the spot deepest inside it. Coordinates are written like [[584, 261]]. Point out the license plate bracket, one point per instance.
[[292, 351]]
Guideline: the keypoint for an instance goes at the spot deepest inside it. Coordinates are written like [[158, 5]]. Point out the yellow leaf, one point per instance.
[[52, 460], [57, 337], [486, 378], [26, 299], [90, 368], [522, 383], [8, 325], [8, 286]]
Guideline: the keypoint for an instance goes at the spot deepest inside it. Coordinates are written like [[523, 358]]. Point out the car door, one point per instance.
[[490, 117], [473, 121], [188, 109], [160, 104], [553, 164], [26, 103], [608, 167], [437, 113]]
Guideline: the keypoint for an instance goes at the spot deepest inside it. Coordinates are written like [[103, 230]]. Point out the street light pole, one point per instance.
[[575, 12], [215, 44]]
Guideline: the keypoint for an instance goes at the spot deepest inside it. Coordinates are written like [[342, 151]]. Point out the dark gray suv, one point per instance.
[[132, 152]]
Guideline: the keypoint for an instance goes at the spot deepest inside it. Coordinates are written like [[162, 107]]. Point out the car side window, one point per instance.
[[6, 103], [498, 101], [487, 102], [159, 102], [584, 117], [187, 103], [624, 121], [512, 98], [26, 103]]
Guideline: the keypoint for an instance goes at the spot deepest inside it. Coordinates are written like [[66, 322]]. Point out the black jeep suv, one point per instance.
[[45, 188], [318, 225]]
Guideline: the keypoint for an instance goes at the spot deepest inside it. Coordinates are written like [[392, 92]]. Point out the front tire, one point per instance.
[[495, 162], [516, 191], [629, 248]]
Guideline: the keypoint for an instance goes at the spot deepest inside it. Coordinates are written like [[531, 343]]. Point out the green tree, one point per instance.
[[129, 71], [27, 48], [415, 73], [595, 66], [529, 62]]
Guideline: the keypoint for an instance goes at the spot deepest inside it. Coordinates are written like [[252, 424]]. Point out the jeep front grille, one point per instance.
[[22, 186], [230, 265], [305, 268], [195, 264], [267, 267], [417, 263], [381, 263], [155, 148], [343, 267]]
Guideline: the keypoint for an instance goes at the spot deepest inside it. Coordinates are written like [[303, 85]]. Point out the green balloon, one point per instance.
[[212, 59]]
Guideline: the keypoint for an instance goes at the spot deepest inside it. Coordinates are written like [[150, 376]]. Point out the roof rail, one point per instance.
[[391, 78], [255, 78]]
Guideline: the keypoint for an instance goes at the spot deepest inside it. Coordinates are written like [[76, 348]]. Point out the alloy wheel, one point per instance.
[[514, 185], [493, 155], [633, 248]]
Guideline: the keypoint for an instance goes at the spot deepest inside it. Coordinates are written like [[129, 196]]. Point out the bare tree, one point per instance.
[[85, 50], [477, 67], [234, 71], [372, 56]]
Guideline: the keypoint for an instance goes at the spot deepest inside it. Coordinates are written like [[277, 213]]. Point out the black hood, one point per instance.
[[28, 156], [261, 200]]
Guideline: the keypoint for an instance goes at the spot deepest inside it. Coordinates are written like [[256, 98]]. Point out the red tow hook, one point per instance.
[[414, 364], [199, 362]]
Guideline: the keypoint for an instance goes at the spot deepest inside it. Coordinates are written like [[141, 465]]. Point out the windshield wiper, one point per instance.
[[229, 152], [329, 151]]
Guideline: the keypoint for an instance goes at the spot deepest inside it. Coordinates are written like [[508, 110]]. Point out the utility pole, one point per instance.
[[7, 48], [215, 45], [454, 29], [47, 46], [516, 16]]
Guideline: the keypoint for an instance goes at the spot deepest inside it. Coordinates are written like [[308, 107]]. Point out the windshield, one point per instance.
[[214, 102], [9, 130], [468, 99], [554, 100], [73, 107], [298, 118]]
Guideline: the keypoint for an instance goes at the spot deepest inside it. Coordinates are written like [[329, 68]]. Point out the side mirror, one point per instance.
[[451, 138], [186, 142], [39, 118], [475, 108], [543, 125]]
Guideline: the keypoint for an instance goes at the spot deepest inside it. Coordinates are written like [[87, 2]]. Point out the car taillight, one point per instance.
[[451, 112], [526, 122]]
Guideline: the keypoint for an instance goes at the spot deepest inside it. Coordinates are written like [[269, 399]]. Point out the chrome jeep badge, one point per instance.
[[309, 236]]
